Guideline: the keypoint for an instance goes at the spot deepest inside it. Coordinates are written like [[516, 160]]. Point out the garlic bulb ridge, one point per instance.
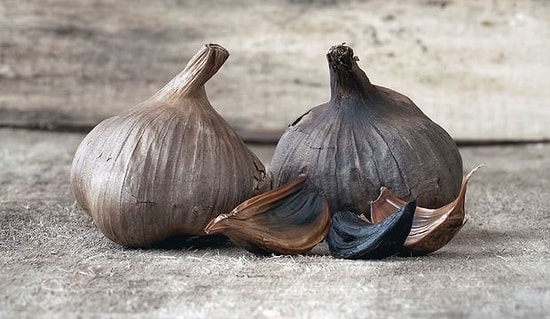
[[167, 166]]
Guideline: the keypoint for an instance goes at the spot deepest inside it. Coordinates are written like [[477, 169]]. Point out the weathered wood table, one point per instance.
[[55, 263]]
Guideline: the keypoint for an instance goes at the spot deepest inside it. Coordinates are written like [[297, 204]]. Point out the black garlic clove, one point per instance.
[[290, 219], [351, 237]]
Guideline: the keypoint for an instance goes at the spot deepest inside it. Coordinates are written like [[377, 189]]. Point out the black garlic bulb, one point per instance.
[[167, 166], [364, 138], [291, 219], [352, 237]]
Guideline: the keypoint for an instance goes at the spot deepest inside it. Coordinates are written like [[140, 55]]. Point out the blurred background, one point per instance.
[[478, 68]]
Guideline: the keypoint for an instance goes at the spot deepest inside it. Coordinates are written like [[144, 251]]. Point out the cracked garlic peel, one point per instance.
[[168, 166], [431, 228], [364, 138], [290, 219]]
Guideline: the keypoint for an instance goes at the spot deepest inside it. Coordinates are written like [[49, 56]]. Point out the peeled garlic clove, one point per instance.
[[364, 138], [291, 219], [431, 228], [167, 166], [351, 237]]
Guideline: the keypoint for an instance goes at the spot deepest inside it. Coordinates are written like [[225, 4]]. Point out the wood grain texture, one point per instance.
[[479, 69]]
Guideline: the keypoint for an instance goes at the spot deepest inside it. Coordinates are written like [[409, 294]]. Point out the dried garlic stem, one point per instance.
[[202, 66]]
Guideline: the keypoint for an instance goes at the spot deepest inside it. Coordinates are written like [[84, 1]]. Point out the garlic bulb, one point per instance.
[[364, 138], [167, 166], [290, 219]]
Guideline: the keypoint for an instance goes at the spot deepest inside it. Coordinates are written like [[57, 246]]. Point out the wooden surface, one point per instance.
[[55, 263], [478, 68]]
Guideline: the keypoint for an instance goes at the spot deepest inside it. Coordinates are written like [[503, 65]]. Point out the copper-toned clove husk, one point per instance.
[[431, 228], [351, 237], [291, 219], [364, 138], [167, 166]]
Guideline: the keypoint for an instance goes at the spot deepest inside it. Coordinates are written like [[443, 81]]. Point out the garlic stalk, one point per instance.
[[364, 138], [167, 166]]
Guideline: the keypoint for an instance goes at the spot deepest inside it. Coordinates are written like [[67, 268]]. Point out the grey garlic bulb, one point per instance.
[[364, 138], [167, 166]]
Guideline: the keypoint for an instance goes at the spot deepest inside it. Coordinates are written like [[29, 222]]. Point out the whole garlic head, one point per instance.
[[364, 138], [167, 166]]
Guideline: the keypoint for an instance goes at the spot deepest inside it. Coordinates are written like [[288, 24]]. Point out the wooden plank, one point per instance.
[[478, 69]]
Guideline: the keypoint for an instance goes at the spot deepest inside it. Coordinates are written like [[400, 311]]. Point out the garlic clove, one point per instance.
[[431, 228], [351, 237], [291, 219]]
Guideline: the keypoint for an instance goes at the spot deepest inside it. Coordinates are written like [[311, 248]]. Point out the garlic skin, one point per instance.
[[290, 219], [167, 166], [431, 228], [364, 138]]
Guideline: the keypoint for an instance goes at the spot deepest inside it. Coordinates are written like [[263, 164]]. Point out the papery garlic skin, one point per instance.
[[168, 166], [364, 138], [431, 228], [290, 219]]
